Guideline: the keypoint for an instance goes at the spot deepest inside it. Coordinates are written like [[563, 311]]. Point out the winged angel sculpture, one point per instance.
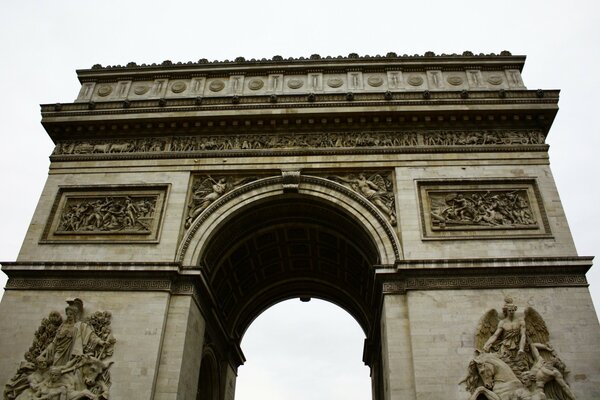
[[65, 361], [514, 359], [375, 188], [206, 190]]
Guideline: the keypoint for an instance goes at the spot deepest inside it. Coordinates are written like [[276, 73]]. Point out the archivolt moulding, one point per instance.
[[362, 211]]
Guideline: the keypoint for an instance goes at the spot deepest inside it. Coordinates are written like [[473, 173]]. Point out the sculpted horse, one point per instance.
[[493, 378]]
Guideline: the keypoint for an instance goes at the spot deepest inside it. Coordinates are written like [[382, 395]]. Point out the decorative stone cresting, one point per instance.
[[66, 359], [514, 359]]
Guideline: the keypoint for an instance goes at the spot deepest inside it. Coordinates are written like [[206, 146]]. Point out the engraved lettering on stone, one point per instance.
[[120, 214], [104, 90], [475, 78], [216, 86], [514, 359], [375, 81], [335, 82], [141, 89], [415, 80], [315, 81], [178, 87], [377, 188], [515, 77], [495, 80], [158, 87], [256, 84], [122, 88], [295, 83], [454, 80], [206, 189], [197, 84], [488, 208], [65, 360]]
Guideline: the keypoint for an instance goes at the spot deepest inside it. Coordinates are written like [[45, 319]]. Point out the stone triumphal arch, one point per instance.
[[412, 191]]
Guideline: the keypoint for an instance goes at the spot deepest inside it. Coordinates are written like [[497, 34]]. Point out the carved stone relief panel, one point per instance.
[[207, 189], [328, 140], [514, 358], [376, 186], [66, 358], [481, 209], [106, 214]]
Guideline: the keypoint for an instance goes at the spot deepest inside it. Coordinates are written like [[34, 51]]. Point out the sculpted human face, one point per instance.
[[71, 314]]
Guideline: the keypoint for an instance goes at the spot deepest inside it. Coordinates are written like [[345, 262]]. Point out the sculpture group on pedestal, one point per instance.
[[514, 359], [65, 359]]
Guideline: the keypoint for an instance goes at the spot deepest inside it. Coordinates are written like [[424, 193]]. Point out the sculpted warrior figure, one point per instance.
[[65, 359], [73, 339], [521, 345]]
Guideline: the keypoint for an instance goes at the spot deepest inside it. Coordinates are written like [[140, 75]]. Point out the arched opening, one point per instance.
[[291, 246], [209, 380], [297, 350]]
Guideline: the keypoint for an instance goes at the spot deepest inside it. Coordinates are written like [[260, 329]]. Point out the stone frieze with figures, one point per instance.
[[480, 209], [106, 214], [336, 141]]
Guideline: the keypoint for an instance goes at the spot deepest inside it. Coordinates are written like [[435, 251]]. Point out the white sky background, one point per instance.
[[42, 43]]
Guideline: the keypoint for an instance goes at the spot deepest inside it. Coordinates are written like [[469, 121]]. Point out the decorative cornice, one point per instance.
[[484, 273]]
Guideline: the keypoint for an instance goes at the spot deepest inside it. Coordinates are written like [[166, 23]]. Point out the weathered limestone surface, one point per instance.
[[318, 177], [138, 323]]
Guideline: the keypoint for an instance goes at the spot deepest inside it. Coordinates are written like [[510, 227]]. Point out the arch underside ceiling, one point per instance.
[[288, 247]]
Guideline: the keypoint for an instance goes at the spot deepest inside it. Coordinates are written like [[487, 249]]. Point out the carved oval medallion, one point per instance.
[[295, 83], [335, 82], [178, 87], [495, 79], [141, 89], [104, 90], [415, 80], [375, 81], [256, 84], [216, 86], [454, 80]]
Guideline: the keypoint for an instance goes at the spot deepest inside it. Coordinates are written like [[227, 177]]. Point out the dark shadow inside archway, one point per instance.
[[289, 247]]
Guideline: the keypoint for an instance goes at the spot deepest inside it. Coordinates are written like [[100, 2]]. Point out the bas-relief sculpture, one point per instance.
[[349, 140], [206, 189], [514, 359], [109, 214], [377, 188], [65, 361], [504, 209], [106, 213]]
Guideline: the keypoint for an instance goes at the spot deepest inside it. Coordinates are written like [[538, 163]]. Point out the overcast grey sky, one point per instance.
[[42, 43]]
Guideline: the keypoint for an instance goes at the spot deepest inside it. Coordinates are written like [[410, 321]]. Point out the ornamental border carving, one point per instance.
[[506, 209], [106, 214], [365, 142], [484, 282]]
